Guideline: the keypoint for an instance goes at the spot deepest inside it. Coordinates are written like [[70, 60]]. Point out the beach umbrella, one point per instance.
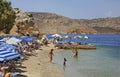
[[66, 36], [28, 38], [75, 37], [13, 40], [56, 35], [6, 46], [86, 37], [8, 55], [79, 36]]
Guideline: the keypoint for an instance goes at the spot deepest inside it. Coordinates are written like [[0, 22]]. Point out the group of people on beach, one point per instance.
[[7, 68], [27, 48], [24, 49]]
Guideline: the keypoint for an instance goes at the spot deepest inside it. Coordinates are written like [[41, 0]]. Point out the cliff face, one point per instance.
[[52, 23], [104, 25], [23, 22]]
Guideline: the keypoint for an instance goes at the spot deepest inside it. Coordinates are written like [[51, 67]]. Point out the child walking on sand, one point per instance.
[[51, 55]]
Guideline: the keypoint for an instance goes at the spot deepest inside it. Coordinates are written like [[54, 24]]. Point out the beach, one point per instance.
[[39, 66], [101, 62]]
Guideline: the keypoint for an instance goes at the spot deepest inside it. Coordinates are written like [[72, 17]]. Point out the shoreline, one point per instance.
[[40, 66]]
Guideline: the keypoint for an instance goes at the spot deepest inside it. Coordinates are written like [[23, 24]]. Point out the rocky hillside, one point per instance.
[[42, 23], [52, 23], [23, 22], [104, 25]]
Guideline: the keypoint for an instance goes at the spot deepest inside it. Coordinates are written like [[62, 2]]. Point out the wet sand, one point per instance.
[[39, 66]]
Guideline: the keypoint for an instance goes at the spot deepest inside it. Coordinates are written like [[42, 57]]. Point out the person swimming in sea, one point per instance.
[[64, 63]]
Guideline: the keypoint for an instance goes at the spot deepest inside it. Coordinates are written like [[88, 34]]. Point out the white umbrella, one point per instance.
[[79, 36], [13, 40], [86, 37], [66, 36], [56, 35]]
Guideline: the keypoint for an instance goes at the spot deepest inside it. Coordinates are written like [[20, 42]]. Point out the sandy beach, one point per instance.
[[39, 66]]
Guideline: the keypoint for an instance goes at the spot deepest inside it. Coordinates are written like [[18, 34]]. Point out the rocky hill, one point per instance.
[[42, 23], [23, 22], [104, 25], [53, 23]]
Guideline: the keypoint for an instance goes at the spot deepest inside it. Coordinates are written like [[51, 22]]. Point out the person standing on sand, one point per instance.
[[51, 55]]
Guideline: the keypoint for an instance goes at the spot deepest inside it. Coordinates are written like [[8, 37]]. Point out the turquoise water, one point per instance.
[[102, 62]]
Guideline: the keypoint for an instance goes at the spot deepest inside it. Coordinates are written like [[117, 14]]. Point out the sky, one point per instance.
[[76, 9]]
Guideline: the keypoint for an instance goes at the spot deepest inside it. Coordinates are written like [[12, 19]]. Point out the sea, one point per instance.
[[104, 61]]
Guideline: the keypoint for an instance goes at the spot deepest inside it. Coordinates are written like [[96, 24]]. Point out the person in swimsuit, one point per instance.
[[75, 52], [64, 63], [51, 55]]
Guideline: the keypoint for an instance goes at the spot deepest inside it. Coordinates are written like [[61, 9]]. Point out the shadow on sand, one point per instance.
[[20, 75], [19, 71]]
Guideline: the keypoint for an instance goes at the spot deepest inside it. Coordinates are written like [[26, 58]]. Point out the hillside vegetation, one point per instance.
[[7, 16]]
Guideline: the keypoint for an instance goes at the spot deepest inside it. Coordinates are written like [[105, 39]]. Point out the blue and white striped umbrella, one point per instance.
[[8, 55], [27, 38], [8, 52]]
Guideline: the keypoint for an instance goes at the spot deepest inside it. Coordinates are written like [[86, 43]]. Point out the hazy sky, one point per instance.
[[77, 9]]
